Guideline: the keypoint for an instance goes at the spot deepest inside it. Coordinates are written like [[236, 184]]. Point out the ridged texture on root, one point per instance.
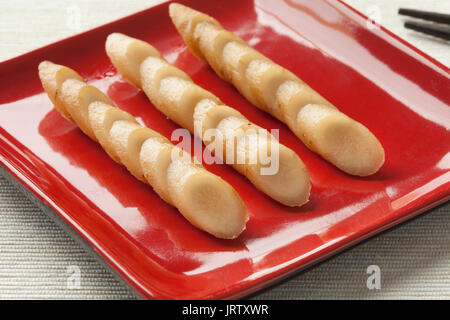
[[148, 155], [224, 130], [351, 146]]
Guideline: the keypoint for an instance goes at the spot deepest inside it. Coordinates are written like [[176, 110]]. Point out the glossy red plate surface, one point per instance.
[[400, 94]]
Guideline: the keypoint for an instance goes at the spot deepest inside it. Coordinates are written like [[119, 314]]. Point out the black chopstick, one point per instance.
[[426, 15], [430, 29], [436, 25]]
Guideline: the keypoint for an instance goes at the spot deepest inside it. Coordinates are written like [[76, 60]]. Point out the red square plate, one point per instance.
[[399, 93]]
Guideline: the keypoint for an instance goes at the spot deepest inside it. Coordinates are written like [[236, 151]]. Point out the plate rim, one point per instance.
[[438, 195]]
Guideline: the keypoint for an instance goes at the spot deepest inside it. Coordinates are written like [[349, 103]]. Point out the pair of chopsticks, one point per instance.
[[438, 29]]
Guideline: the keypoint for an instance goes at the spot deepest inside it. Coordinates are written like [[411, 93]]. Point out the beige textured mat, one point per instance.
[[38, 258]]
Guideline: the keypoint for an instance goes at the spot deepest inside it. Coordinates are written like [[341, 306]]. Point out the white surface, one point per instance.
[[389, 18], [35, 254]]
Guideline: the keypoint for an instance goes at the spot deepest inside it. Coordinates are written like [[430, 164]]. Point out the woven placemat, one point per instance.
[[38, 259]]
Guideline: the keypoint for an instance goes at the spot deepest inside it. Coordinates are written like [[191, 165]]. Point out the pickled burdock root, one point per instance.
[[344, 142], [198, 110], [204, 199]]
